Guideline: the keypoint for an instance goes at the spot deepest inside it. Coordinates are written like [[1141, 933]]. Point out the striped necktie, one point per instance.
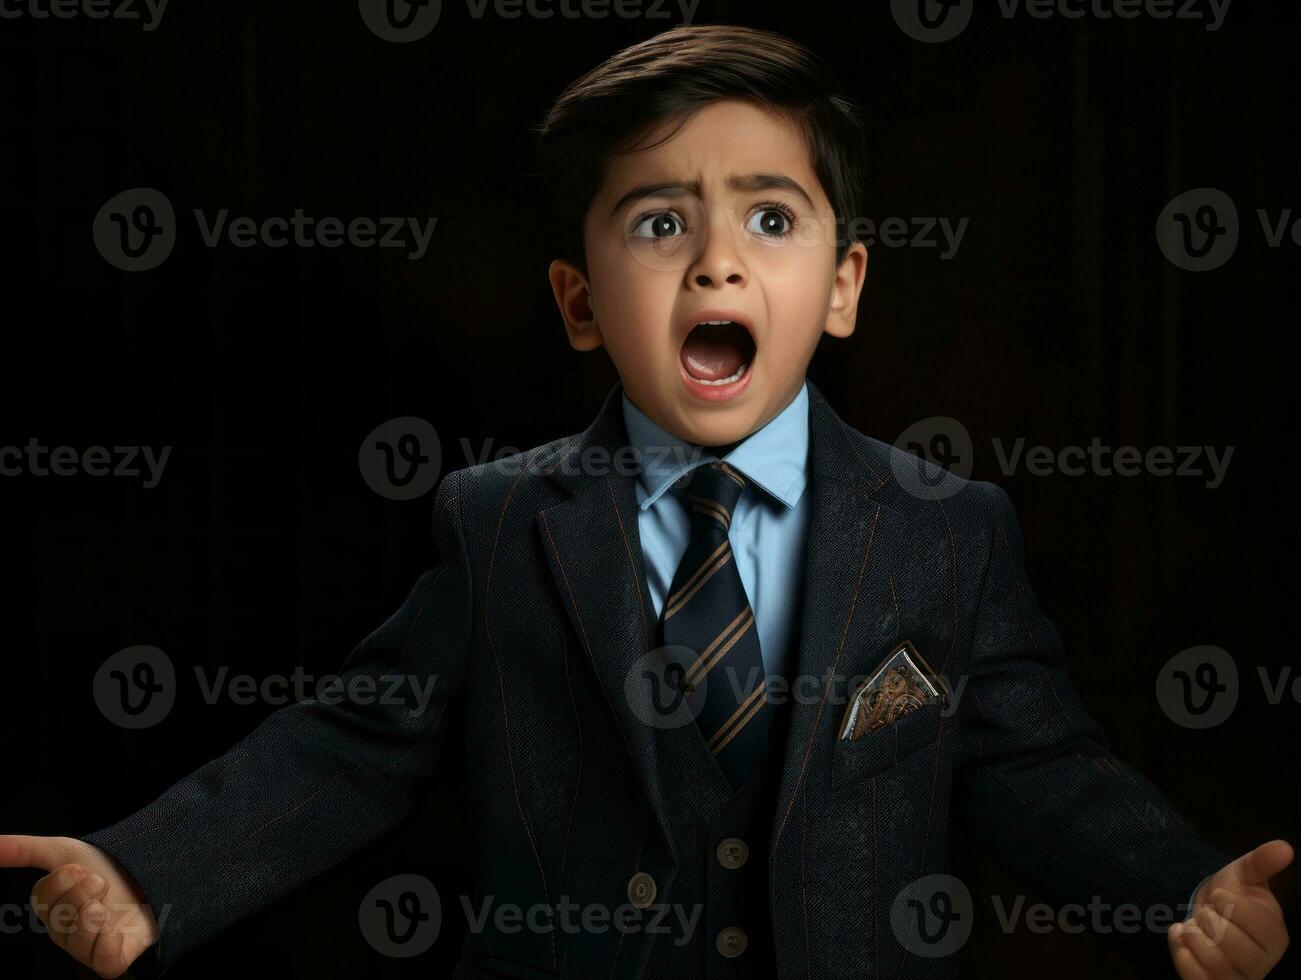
[[708, 612]]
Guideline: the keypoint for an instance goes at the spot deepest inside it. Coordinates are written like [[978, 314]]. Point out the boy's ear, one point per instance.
[[573, 297], [848, 284]]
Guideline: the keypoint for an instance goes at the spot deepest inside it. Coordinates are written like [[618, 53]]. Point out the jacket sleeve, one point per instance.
[[1041, 792], [317, 779]]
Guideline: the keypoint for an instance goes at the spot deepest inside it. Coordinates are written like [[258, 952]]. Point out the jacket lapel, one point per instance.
[[846, 605], [593, 547]]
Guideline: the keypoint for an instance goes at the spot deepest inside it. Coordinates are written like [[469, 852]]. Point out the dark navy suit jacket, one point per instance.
[[533, 616]]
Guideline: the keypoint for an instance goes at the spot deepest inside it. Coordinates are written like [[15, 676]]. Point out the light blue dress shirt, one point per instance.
[[769, 527]]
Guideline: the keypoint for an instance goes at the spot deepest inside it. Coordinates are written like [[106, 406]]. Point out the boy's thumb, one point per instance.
[[1256, 867]]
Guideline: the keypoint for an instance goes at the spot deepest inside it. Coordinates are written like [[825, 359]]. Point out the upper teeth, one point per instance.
[[712, 323]]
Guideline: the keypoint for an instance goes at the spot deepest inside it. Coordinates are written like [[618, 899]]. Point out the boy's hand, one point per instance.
[[92, 907], [1237, 928]]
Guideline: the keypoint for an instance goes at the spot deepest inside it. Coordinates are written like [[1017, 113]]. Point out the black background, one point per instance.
[[262, 549]]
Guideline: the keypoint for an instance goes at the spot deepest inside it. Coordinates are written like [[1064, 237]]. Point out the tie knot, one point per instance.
[[711, 491]]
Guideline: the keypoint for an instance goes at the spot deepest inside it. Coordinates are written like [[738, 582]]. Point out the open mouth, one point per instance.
[[717, 353]]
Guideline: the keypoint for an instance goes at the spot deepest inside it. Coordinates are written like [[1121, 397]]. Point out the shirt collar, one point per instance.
[[775, 457]]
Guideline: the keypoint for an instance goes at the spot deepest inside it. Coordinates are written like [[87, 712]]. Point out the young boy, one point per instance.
[[753, 827]]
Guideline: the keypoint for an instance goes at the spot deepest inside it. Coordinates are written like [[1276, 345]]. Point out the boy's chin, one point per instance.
[[717, 428]]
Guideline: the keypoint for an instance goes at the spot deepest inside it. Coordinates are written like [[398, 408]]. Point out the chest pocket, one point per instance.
[[855, 760]]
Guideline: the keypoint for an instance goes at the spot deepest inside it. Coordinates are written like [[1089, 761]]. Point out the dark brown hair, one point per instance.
[[607, 110]]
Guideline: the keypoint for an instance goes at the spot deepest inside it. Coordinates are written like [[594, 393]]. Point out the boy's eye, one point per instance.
[[662, 225], [771, 221]]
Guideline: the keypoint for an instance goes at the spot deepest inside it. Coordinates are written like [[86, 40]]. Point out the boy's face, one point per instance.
[[724, 221]]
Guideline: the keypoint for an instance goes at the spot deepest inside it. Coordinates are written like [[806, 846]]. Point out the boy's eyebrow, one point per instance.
[[744, 183]]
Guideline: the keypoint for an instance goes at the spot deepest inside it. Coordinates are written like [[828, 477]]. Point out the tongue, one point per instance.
[[711, 353]]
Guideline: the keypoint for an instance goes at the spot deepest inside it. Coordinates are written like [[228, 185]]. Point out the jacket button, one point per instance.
[[641, 890], [731, 941], [733, 852]]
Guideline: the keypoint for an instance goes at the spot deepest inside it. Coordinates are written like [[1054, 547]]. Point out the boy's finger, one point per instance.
[[66, 911], [47, 892], [25, 851], [1206, 951], [107, 958], [1265, 926], [91, 918], [1244, 909], [1185, 962], [49, 887], [1244, 952]]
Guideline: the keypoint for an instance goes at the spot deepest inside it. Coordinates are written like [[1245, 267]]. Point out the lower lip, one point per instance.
[[716, 393]]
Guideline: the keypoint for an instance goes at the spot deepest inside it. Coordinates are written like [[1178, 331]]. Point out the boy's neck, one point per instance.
[[723, 450]]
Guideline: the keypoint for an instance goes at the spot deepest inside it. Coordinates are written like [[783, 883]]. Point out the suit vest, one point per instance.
[[717, 925]]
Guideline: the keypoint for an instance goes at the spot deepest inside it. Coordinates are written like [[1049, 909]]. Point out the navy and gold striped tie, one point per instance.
[[707, 611]]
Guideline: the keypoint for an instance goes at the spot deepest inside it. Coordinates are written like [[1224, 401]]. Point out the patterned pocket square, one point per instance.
[[902, 683]]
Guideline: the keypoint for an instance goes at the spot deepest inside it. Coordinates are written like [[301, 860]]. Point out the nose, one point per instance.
[[720, 259]]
